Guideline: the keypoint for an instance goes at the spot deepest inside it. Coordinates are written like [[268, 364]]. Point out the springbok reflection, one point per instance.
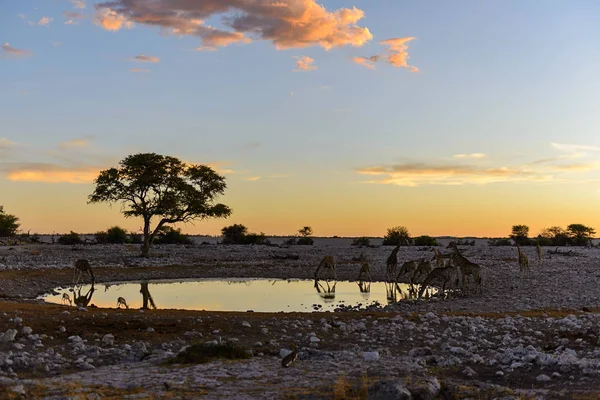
[[328, 295], [146, 296]]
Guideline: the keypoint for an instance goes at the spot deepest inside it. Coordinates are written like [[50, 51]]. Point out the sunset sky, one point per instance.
[[450, 118]]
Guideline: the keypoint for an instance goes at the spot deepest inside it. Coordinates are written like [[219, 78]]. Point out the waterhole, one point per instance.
[[261, 295]]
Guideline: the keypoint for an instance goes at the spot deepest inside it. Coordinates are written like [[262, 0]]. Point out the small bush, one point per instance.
[[500, 242], [8, 224], [234, 234], [101, 237], [361, 242], [425, 241], [170, 235], [397, 235], [305, 241], [255, 238], [70, 239], [135, 238], [203, 353], [290, 242]]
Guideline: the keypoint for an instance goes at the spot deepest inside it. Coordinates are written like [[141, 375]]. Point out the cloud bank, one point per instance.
[[286, 23], [12, 52]]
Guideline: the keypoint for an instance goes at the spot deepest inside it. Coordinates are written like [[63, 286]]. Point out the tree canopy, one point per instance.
[[151, 185], [397, 235], [8, 224], [520, 234]]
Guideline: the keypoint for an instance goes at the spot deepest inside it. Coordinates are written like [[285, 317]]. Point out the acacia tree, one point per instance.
[[519, 234], [8, 224], [151, 185], [580, 234]]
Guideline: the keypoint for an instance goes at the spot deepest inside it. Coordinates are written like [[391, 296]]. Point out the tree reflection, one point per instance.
[[146, 296]]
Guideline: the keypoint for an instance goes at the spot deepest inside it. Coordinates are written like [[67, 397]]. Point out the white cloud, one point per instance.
[[473, 156]]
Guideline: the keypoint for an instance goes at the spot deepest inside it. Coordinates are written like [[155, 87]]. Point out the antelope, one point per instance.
[[66, 299], [121, 302], [290, 358]]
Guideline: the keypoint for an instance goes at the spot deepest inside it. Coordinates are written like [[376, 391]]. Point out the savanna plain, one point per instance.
[[523, 335]]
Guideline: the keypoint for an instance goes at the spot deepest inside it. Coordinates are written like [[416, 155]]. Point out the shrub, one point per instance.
[[204, 352], [170, 235], [425, 241], [8, 224], [397, 235], [136, 238], [519, 235], [290, 242], [234, 234], [101, 237], [70, 239], [255, 238], [361, 242], [305, 241], [500, 242], [238, 234]]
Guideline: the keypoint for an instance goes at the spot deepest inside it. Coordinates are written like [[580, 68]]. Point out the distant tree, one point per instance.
[[520, 234], [554, 236], [580, 234], [234, 234], [8, 224], [170, 235], [361, 241], [425, 241], [114, 235], [70, 239], [151, 185], [306, 231], [397, 235], [305, 238]]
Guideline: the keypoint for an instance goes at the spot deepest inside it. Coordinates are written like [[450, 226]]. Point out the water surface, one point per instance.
[[236, 294]]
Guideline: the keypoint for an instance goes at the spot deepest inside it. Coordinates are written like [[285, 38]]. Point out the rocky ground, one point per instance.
[[519, 338]]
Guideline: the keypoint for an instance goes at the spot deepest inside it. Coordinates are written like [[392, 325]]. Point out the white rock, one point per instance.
[[18, 320], [150, 330], [108, 339], [543, 378], [370, 355], [246, 324], [26, 330]]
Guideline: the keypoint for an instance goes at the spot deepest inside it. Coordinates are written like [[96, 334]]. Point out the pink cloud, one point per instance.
[[368, 62], [144, 58], [398, 51], [8, 51], [286, 23], [304, 63]]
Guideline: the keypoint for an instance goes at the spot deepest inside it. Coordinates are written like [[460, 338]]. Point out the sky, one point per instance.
[[450, 118]]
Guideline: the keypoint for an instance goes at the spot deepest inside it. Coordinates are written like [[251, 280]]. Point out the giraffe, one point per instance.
[[465, 267], [523, 262], [365, 269], [327, 263], [408, 267], [440, 277], [440, 259], [422, 270], [82, 266], [392, 264], [538, 250]]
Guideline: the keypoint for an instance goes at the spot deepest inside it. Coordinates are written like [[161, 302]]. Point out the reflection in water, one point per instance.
[[83, 300], [146, 296], [328, 295], [272, 295], [394, 292]]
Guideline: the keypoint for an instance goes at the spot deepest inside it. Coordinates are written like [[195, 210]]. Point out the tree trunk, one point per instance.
[[146, 242]]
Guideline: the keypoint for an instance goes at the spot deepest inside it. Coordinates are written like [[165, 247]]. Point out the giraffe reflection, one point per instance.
[[83, 300], [394, 292], [364, 287], [327, 294], [146, 296]]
